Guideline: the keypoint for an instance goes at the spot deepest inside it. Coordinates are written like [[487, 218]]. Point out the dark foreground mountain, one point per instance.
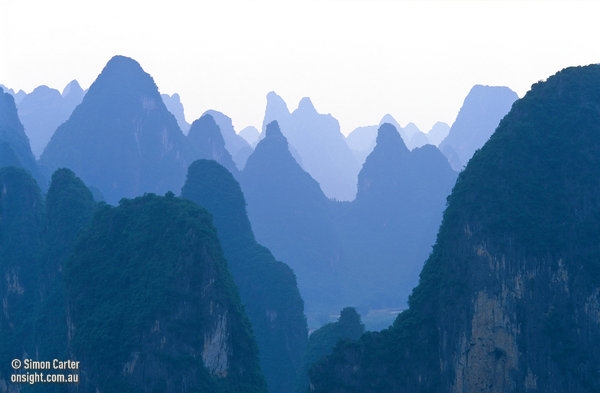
[[509, 299], [21, 227], [152, 305], [477, 119], [121, 139], [267, 287], [206, 138]]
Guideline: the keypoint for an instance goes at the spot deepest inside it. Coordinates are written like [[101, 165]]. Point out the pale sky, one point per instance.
[[357, 60]]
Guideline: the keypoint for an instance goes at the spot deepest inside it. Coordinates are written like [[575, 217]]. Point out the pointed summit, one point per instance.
[[306, 106], [121, 139], [276, 110], [205, 136], [14, 141], [277, 189]]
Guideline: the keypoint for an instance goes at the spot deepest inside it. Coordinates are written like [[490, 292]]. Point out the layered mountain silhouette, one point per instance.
[[251, 135], [173, 317], [14, 144], [139, 294], [238, 147], [391, 225], [174, 105], [320, 146], [362, 140], [292, 217], [121, 139], [477, 119], [44, 109], [267, 287], [207, 140], [508, 299]]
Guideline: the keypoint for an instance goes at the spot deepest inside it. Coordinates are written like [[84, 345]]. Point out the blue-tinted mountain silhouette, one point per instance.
[[320, 147], [121, 139], [14, 144], [479, 116], [291, 216]]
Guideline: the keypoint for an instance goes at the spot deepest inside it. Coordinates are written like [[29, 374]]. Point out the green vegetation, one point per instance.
[[525, 210], [155, 261], [267, 287]]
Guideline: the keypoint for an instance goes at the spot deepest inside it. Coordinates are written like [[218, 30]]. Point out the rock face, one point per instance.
[[152, 305], [44, 109], [509, 299], [267, 287], [121, 139], [477, 119]]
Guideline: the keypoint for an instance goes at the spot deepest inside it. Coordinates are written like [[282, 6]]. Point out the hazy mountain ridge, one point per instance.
[[14, 144], [121, 138], [507, 301], [267, 287]]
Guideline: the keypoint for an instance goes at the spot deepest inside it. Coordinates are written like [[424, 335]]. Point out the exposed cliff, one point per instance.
[[267, 287], [21, 226], [152, 305], [508, 300]]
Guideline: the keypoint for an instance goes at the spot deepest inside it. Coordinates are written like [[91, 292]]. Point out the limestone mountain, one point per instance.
[[267, 287], [152, 305], [236, 145], [320, 145], [508, 301], [438, 133], [291, 216], [391, 225], [174, 105], [362, 141], [251, 135], [477, 119], [69, 208], [323, 340], [121, 139], [21, 228], [44, 109], [14, 144], [207, 140]]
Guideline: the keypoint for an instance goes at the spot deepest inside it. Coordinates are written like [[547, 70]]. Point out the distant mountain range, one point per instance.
[[278, 230], [508, 299]]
